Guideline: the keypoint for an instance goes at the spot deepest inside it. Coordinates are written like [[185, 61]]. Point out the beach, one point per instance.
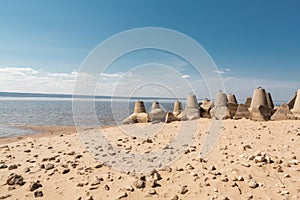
[[251, 160]]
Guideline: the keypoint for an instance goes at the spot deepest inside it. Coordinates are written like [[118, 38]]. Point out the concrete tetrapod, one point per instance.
[[157, 114], [220, 111], [259, 108], [296, 108], [139, 114]]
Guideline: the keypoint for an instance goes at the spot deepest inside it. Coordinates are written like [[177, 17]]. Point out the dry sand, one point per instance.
[[251, 160]]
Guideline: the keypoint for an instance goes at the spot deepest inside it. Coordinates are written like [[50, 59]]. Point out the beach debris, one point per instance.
[[296, 108], [35, 185], [220, 111], [15, 179], [259, 108], [283, 113]]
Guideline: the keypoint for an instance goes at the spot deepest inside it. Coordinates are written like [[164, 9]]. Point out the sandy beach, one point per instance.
[[251, 160]]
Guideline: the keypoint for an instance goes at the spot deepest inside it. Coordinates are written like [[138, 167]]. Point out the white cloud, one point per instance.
[[219, 71], [18, 71], [186, 76]]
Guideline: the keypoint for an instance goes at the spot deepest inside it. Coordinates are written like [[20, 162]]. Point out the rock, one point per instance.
[[97, 181], [183, 189], [151, 191], [139, 184], [35, 185], [130, 188], [49, 166], [122, 195], [13, 166], [106, 187], [155, 175], [27, 151], [252, 184], [15, 179], [175, 197], [3, 166], [26, 170], [38, 193], [65, 171], [5, 196]]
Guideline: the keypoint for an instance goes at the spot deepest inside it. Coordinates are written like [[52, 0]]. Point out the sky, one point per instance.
[[43, 45]]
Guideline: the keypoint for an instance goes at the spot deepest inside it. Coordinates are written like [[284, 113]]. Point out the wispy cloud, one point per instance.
[[186, 76]]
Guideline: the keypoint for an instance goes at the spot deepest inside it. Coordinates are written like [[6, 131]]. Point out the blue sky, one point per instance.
[[253, 42]]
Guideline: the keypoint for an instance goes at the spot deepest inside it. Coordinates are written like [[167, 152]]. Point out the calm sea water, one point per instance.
[[58, 112]]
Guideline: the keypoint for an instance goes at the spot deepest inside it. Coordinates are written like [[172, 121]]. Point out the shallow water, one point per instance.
[[58, 112]]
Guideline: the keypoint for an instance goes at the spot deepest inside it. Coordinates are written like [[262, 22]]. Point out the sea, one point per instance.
[[19, 109]]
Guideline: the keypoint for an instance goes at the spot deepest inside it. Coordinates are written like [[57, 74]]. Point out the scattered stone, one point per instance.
[[3, 166], [106, 187], [49, 166], [5, 196], [15, 179], [13, 166], [38, 193], [27, 151], [35, 185], [151, 191], [80, 185], [97, 181], [65, 171], [122, 195], [183, 189], [175, 197], [26, 170], [252, 184], [284, 192], [139, 184]]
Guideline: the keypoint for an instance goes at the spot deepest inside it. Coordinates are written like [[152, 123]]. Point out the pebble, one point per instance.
[[35, 185], [5, 196], [175, 197], [11, 167], [183, 189], [49, 166], [38, 193], [139, 184], [3, 166], [65, 171], [252, 184], [151, 191], [15, 179], [123, 195]]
